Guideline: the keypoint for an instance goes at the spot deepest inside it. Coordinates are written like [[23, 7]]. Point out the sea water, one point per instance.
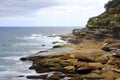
[[17, 42]]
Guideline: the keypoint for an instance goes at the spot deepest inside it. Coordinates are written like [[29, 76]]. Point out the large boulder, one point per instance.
[[80, 32], [84, 57], [96, 65], [106, 47]]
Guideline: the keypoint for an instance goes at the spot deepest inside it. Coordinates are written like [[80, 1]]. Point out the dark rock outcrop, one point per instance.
[[109, 20], [105, 25]]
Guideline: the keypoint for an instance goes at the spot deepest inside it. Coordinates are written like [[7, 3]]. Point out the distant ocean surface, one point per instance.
[[16, 42]]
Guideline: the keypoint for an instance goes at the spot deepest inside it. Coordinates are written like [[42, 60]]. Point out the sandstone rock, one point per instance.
[[86, 58], [117, 79], [75, 78], [96, 65], [97, 71], [69, 68], [103, 59], [109, 78], [116, 70], [84, 70], [106, 47], [72, 56], [55, 76], [74, 41]]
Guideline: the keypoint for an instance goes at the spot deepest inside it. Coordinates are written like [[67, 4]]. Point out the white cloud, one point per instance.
[[22, 7], [51, 12], [70, 12]]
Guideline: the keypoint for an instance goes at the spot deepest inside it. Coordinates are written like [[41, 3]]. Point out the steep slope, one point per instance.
[[109, 19]]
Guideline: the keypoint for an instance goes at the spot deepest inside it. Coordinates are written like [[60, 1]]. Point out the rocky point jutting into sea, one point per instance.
[[95, 53]]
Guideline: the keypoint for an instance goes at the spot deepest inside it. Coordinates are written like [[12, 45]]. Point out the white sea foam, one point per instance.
[[40, 37], [37, 35], [8, 73], [30, 37], [38, 40], [12, 57]]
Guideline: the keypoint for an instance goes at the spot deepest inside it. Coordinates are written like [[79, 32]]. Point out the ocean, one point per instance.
[[17, 42]]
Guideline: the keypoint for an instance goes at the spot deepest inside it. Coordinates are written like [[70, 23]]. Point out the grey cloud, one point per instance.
[[18, 7]]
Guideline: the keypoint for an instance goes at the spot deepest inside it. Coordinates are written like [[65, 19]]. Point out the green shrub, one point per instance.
[[116, 19], [112, 4]]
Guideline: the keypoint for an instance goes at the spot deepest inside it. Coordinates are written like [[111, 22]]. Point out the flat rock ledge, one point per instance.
[[88, 60]]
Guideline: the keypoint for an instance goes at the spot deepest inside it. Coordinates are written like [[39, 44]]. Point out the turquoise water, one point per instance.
[[18, 42]]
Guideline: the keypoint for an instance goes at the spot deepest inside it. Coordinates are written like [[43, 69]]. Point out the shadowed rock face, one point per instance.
[[116, 32], [88, 33]]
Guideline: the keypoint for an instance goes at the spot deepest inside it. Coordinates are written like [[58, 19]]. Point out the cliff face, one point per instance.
[[106, 25], [109, 19]]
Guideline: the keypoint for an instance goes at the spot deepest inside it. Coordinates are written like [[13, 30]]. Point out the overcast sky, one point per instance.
[[49, 12]]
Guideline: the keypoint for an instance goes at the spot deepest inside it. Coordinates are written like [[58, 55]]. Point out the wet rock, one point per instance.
[[24, 58], [37, 76], [55, 42], [32, 58], [84, 70], [21, 76], [57, 46], [43, 45], [42, 51]]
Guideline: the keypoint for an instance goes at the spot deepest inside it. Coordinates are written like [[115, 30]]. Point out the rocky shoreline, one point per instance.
[[95, 54], [90, 59]]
